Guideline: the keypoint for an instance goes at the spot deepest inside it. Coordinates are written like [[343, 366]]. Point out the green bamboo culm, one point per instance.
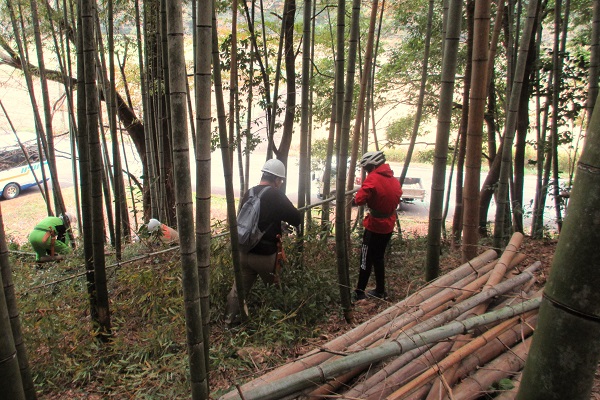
[[10, 376], [566, 346]]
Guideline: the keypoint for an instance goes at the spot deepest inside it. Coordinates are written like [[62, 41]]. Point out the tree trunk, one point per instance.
[[282, 151], [341, 224], [511, 122], [203, 164], [360, 108], [481, 29], [59, 203], [419, 113], [568, 321], [84, 173], [462, 131], [441, 143], [304, 169], [13, 315], [185, 208], [10, 376], [594, 60], [227, 173], [96, 167]]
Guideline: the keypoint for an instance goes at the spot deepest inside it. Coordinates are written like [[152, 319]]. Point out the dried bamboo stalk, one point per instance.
[[455, 357], [474, 301], [429, 307], [406, 321], [407, 372], [507, 364], [496, 347], [384, 373], [317, 356], [318, 375], [502, 267], [503, 263]]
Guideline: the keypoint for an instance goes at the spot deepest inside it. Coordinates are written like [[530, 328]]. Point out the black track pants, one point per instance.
[[372, 255]]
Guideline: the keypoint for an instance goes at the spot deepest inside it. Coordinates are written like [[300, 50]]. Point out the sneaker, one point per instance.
[[359, 295], [375, 293]]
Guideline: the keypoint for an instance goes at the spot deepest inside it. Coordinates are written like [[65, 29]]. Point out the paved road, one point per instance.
[[418, 209]]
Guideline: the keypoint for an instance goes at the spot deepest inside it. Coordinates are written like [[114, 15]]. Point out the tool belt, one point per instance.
[[50, 233], [379, 214]]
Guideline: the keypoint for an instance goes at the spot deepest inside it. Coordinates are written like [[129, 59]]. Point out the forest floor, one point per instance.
[[404, 265]]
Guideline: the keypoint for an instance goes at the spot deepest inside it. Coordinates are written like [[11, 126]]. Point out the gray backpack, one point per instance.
[[248, 232]]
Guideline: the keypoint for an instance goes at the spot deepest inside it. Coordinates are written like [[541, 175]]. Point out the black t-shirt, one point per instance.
[[274, 208]]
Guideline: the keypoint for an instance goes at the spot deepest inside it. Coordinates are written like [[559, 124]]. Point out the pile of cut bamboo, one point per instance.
[[454, 338]]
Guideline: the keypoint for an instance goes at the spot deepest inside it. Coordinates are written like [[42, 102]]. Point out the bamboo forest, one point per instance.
[[446, 151]]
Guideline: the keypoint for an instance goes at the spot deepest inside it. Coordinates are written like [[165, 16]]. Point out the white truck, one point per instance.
[[15, 173], [413, 190]]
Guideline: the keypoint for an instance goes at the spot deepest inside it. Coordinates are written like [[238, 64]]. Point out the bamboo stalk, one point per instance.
[[483, 355], [455, 357], [496, 347], [408, 320], [429, 307], [467, 305], [318, 356], [407, 372], [384, 373], [504, 264], [505, 365], [299, 381]]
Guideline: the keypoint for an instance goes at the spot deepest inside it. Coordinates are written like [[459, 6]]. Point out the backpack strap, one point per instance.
[[262, 191], [260, 196]]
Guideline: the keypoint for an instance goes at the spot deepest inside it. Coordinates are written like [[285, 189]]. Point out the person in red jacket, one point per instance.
[[381, 193]]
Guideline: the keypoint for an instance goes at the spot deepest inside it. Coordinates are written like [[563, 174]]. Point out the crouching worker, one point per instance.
[[50, 238], [167, 234], [261, 258]]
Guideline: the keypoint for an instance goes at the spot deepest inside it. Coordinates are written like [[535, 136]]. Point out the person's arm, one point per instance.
[[290, 214], [363, 194]]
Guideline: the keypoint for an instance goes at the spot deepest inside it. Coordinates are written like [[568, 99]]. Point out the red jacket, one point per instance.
[[381, 192]]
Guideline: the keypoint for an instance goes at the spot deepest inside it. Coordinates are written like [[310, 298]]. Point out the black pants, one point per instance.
[[372, 255]]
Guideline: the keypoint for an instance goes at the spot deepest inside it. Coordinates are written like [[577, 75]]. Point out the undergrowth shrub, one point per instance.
[[147, 357]]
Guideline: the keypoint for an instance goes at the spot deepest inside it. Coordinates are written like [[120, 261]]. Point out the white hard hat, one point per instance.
[[274, 167], [70, 216], [153, 224], [373, 158]]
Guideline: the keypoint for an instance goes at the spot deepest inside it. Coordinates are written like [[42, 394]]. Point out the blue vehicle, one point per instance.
[[16, 174]]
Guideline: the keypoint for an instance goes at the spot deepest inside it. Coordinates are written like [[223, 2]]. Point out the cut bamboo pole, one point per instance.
[[407, 372], [359, 390], [474, 301], [317, 356], [503, 263], [406, 321], [507, 364], [455, 357], [485, 354], [316, 375], [496, 347], [462, 290], [502, 267]]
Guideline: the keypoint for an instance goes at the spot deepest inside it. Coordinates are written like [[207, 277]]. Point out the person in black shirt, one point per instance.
[[275, 207]]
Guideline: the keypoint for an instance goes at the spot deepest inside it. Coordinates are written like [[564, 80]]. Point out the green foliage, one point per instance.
[[147, 356], [400, 130]]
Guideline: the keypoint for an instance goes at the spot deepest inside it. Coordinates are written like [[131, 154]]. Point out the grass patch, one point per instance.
[[148, 355]]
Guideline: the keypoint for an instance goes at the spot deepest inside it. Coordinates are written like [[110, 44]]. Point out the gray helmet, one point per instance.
[[274, 167], [372, 158]]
